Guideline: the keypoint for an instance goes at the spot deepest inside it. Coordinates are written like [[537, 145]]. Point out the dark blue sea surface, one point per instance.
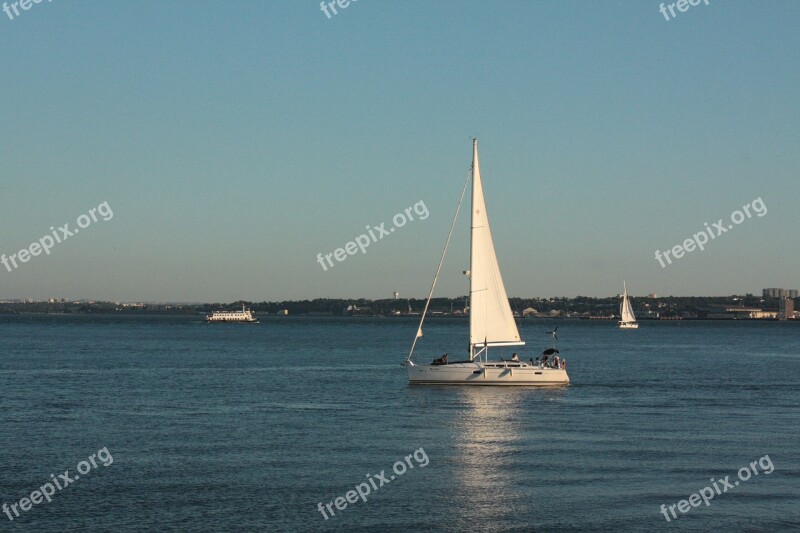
[[250, 427]]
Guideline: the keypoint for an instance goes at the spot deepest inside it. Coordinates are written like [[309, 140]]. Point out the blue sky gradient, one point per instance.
[[236, 140]]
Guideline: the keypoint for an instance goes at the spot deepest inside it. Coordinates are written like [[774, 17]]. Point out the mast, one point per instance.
[[472, 238]]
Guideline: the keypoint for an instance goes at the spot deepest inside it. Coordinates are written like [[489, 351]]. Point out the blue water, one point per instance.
[[249, 427]]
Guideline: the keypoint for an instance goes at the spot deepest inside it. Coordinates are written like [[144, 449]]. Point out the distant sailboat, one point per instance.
[[627, 318], [491, 322]]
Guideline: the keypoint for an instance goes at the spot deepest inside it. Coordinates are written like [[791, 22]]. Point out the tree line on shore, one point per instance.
[[579, 306]]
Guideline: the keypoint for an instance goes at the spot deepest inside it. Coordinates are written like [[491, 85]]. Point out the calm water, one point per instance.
[[234, 427]]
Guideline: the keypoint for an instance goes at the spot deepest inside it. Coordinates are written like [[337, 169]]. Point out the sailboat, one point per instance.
[[628, 319], [491, 322]]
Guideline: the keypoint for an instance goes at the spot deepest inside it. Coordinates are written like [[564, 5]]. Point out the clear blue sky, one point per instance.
[[236, 140]]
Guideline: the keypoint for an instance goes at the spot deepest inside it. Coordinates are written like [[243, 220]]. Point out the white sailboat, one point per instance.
[[627, 318], [491, 322]]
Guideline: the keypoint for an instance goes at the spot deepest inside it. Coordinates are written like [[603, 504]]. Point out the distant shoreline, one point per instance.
[[735, 307], [200, 316]]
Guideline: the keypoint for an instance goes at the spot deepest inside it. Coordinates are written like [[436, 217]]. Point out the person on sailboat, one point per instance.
[[555, 362]]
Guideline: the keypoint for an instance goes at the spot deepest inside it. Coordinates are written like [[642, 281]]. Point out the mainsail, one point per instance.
[[491, 321], [625, 310]]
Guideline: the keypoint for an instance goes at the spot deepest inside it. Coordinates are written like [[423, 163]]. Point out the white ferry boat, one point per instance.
[[245, 315]]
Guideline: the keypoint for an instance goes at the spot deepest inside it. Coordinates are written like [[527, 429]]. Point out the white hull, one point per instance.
[[628, 325], [491, 373]]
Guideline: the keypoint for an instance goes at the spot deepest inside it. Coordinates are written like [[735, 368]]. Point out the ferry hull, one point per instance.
[[477, 373]]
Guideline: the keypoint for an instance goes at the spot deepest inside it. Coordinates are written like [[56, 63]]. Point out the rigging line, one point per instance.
[[439, 268]]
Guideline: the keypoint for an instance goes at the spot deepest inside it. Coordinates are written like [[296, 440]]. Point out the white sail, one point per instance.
[[490, 318], [625, 309]]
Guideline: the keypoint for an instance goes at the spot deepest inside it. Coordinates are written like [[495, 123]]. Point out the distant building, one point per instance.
[[764, 314], [736, 313], [786, 309], [652, 295], [356, 310], [529, 311], [283, 312], [779, 293]]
